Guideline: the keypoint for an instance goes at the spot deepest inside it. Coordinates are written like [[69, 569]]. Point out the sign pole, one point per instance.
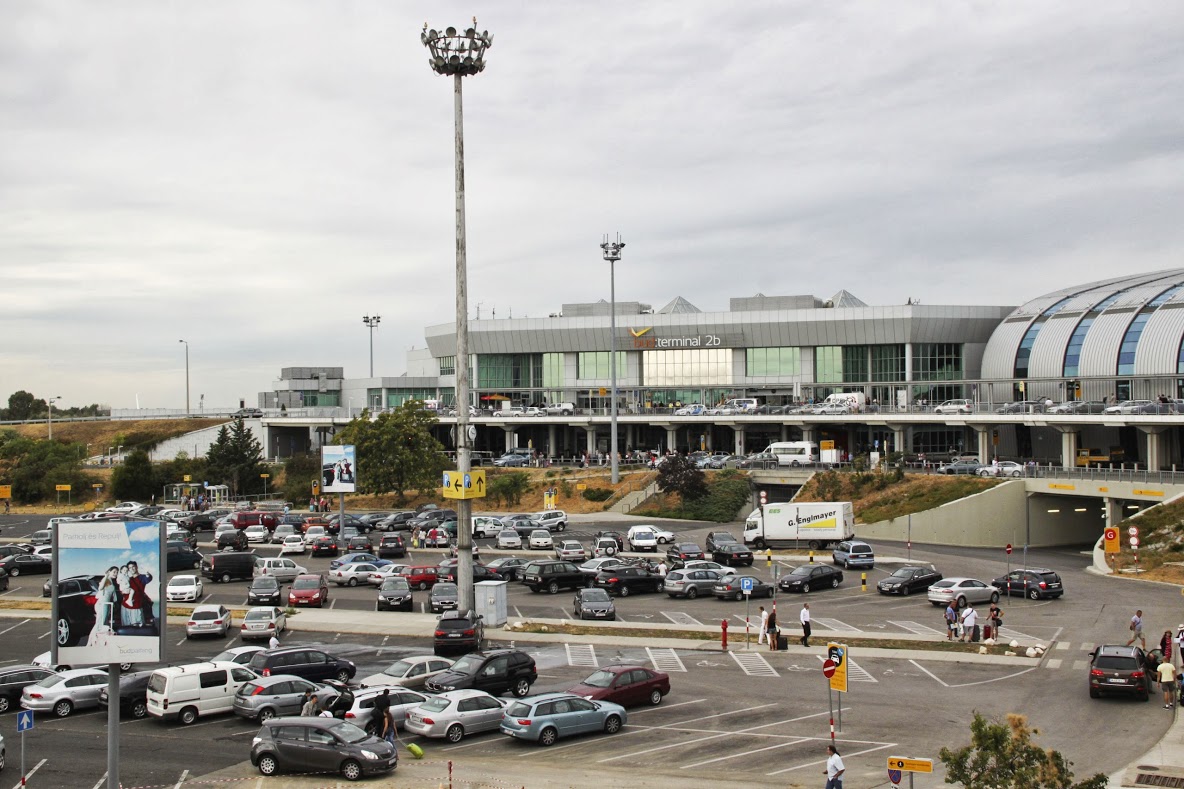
[[747, 599], [22, 757], [113, 723], [831, 704]]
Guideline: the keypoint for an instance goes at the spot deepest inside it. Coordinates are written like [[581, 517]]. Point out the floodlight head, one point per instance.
[[612, 249], [456, 53]]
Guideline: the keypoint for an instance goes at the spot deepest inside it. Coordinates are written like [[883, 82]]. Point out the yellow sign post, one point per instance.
[[470, 485], [910, 765], [1113, 542], [5, 491], [187, 478], [581, 486], [838, 653], [825, 445], [63, 489]]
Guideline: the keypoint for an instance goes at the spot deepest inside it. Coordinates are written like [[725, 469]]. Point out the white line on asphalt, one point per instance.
[[207, 597], [384, 640], [1079, 665], [43, 635], [517, 613], [10, 591], [835, 624], [181, 780], [969, 684], [930, 673], [259, 783], [745, 753], [667, 706], [29, 774], [333, 602], [14, 627], [917, 628], [1053, 663], [100, 782], [680, 618], [817, 763]]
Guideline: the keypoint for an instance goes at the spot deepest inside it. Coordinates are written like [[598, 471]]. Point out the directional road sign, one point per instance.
[[470, 485], [910, 765], [1112, 543], [24, 721], [746, 585], [837, 654]]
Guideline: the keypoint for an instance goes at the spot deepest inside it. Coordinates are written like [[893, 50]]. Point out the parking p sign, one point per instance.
[[746, 585]]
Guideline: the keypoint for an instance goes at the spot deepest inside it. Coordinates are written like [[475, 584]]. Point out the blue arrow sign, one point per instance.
[[24, 721], [468, 481], [746, 585]]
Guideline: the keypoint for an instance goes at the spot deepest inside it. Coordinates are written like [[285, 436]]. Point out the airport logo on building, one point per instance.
[[640, 340]]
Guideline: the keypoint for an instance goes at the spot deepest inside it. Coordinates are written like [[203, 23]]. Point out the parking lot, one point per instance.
[[751, 715]]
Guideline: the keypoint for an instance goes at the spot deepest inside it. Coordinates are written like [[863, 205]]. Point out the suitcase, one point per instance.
[[782, 642], [974, 634], [986, 631]]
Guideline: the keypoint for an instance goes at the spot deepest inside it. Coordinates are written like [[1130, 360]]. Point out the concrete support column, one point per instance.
[[1113, 511], [629, 437], [809, 433], [984, 444], [908, 366], [784, 432], [899, 436], [551, 448], [511, 437], [739, 441], [671, 438], [708, 438], [591, 442], [1154, 445], [1069, 440]]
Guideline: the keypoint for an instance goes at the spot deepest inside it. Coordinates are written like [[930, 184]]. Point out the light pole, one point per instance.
[[49, 417], [612, 253], [458, 55], [186, 376], [371, 321]]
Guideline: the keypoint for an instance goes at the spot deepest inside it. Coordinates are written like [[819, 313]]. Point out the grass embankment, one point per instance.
[[131, 433], [727, 492], [877, 497], [1161, 549]]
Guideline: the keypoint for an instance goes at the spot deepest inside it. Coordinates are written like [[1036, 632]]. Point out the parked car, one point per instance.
[[853, 553], [561, 409], [443, 597], [133, 695], [307, 662], [508, 567], [717, 538], [480, 573], [811, 577], [401, 701], [1022, 407], [453, 714], [278, 567], [461, 631], [394, 593], [314, 534], [1035, 583], [571, 550], [283, 531], [209, 620], [512, 461], [257, 533], [690, 583], [421, 577], [265, 698], [683, 552], [615, 536], [1079, 407], [552, 575], [509, 539], [909, 579], [234, 540], [394, 544], [546, 718], [359, 543], [238, 655], [320, 745], [625, 580], [594, 604], [264, 590], [493, 671], [293, 543], [352, 574], [263, 622], [648, 538], [955, 407], [226, 567], [13, 680], [962, 591], [308, 589], [25, 564], [182, 588], [410, 672], [1004, 468], [540, 539], [625, 685], [551, 520], [324, 545], [730, 587], [1120, 669], [76, 689], [733, 554]]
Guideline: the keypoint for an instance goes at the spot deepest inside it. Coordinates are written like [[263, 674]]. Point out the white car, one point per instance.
[[647, 537], [125, 507], [402, 701], [540, 539], [410, 672], [183, 588], [561, 409], [509, 539], [705, 564], [263, 622], [1005, 468], [572, 551], [293, 543], [257, 533], [313, 534], [352, 574], [955, 407], [554, 520], [486, 526], [386, 571], [532, 411]]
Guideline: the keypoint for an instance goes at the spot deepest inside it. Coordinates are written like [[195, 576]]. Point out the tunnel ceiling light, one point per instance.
[[1132, 506], [1054, 510], [1080, 509]]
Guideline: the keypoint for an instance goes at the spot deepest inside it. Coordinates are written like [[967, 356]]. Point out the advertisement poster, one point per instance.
[[107, 581], [339, 469]]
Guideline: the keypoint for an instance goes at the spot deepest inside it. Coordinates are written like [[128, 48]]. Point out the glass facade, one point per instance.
[[447, 365], [311, 397], [855, 364], [887, 362], [510, 370], [396, 397], [687, 368], [937, 361], [828, 364], [1025, 350], [778, 362], [597, 365], [1073, 349], [1130, 341]]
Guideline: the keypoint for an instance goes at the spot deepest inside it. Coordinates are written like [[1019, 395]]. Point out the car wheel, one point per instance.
[[553, 587], [188, 716], [960, 602], [994, 597], [63, 632], [661, 541], [139, 709], [14, 572], [5, 704], [906, 591], [1033, 594], [655, 697], [63, 708], [768, 592], [834, 583], [624, 591], [351, 770], [196, 565], [1093, 693], [423, 586], [225, 578], [521, 688], [455, 733], [268, 764], [613, 724], [266, 714], [548, 736], [353, 582], [692, 593]]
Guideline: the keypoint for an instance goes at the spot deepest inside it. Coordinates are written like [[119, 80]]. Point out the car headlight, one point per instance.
[[256, 740], [369, 754], [449, 687]]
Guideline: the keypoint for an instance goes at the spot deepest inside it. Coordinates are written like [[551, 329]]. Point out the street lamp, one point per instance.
[[186, 376], [612, 253], [458, 54], [371, 321], [49, 418]]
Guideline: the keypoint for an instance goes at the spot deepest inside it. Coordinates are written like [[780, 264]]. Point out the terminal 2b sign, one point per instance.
[[645, 339]]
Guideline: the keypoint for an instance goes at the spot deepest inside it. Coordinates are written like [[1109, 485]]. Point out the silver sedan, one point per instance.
[[962, 591], [456, 713], [63, 693]]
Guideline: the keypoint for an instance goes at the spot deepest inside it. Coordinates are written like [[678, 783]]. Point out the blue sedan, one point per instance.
[[550, 716]]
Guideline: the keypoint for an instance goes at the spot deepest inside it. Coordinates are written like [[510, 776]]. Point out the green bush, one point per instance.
[[726, 494], [598, 494]]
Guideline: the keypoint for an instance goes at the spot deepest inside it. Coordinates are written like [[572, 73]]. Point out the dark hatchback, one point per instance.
[[480, 573], [593, 604], [810, 577], [458, 631], [683, 552], [443, 597], [133, 694], [552, 576], [316, 745], [508, 567], [304, 662], [264, 590], [496, 672], [1119, 669], [907, 580], [13, 680], [733, 555], [624, 580], [1035, 583], [325, 546], [25, 564], [394, 593], [393, 545]]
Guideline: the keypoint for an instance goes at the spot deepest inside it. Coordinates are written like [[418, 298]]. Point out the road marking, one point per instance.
[[43, 635], [332, 602], [181, 780], [14, 627], [917, 628], [679, 618], [1087, 646], [1080, 665], [581, 655], [834, 624], [182, 641], [207, 597], [1053, 663], [665, 659], [100, 782], [29, 774], [754, 664], [817, 763], [666, 706], [517, 613], [746, 753], [384, 640], [1061, 645], [855, 672], [10, 591], [969, 684]]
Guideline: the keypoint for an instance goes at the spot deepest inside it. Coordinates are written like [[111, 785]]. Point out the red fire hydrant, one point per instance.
[[724, 628]]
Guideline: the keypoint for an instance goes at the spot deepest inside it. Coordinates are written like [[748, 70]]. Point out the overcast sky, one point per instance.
[[255, 177]]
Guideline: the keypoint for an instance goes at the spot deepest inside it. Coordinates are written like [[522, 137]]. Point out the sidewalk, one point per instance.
[[1163, 765]]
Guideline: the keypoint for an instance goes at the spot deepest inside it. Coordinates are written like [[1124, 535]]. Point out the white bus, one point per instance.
[[794, 453]]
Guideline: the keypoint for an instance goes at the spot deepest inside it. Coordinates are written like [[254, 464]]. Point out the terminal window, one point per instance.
[[687, 368]]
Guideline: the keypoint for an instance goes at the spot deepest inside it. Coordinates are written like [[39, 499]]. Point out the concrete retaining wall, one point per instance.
[[194, 444]]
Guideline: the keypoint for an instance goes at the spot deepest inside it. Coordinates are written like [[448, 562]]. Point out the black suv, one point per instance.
[[1035, 583], [552, 576], [1119, 669], [13, 680], [495, 672], [264, 590], [458, 631], [232, 540], [682, 552], [305, 662], [133, 694], [392, 545]]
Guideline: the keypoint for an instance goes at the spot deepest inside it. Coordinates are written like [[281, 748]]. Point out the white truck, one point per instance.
[[815, 524]]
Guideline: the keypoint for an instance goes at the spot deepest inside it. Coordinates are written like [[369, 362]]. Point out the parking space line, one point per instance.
[[181, 780], [581, 655], [665, 659], [666, 707], [100, 782], [817, 763], [44, 635], [10, 591], [29, 774], [745, 753], [835, 624], [917, 628], [969, 684], [855, 672], [680, 618], [14, 627], [754, 664]]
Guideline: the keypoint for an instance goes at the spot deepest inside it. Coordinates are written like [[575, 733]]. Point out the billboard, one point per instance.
[[338, 469], [107, 580]]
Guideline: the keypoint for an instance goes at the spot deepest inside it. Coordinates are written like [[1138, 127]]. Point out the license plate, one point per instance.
[[1117, 681], [454, 635]]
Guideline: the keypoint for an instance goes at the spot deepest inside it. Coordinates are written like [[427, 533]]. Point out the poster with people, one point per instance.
[[339, 469], [107, 582]]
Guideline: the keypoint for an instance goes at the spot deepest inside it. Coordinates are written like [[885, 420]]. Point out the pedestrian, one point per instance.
[[763, 627], [273, 642], [388, 726], [1136, 628], [1165, 646], [804, 617], [969, 621], [951, 621], [309, 709], [1167, 681], [662, 568], [834, 768], [773, 631], [995, 614]]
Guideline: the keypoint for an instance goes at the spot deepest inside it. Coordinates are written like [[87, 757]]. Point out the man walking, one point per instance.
[[1167, 681], [969, 623], [763, 632], [951, 621], [805, 619], [834, 768], [1136, 628]]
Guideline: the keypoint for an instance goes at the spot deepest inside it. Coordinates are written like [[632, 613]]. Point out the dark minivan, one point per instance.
[[314, 745], [228, 566], [180, 556], [306, 662]]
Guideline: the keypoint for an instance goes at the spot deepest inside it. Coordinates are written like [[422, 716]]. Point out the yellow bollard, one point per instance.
[[864, 582], [768, 557], [811, 557]]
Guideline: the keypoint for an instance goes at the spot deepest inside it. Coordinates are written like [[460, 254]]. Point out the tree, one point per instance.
[[236, 459], [396, 451], [679, 474], [22, 405], [508, 487], [134, 479], [35, 467], [1003, 756], [300, 471]]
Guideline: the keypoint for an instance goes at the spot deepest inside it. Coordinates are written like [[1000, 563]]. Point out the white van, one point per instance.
[[647, 538], [794, 453], [741, 405], [185, 693], [486, 526]]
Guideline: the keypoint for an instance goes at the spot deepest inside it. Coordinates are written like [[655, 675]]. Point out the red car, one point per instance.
[[325, 546], [421, 576], [309, 589], [624, 685]]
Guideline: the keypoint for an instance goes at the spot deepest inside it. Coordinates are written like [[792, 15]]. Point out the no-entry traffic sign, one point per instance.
[[828, 668], [1008, 549]]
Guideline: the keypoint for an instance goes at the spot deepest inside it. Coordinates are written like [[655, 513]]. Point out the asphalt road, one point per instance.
[[761, 717]]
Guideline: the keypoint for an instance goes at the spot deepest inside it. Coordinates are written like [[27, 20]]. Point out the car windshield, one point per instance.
[[395, 585], [444, 590], [802, 572], [397, 669], [601, 679], [258, 615], [348, 732], [688, 547], [306, 583], [540, 533], [183, 580], [466, 664], [595, 596], [435, 705], [228, 655], [903, 572], [267, 582]]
